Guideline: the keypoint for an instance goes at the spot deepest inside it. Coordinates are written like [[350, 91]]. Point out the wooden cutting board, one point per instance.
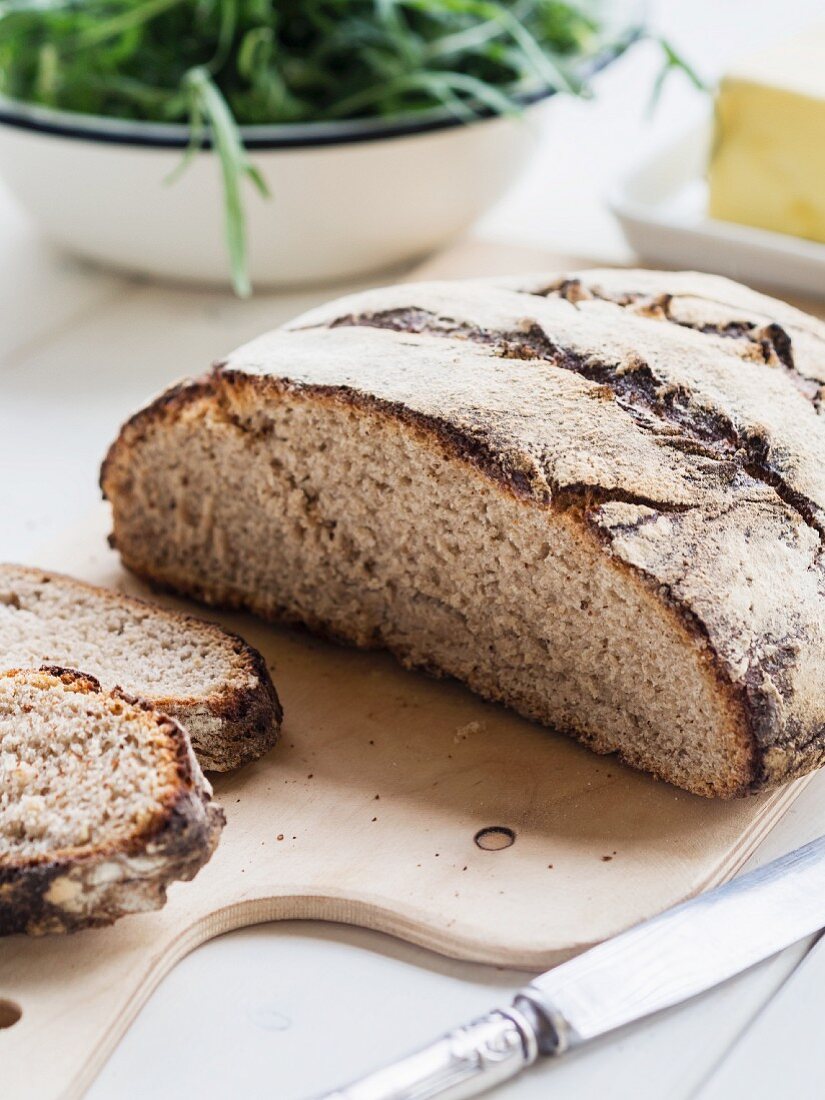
[[369, 812]]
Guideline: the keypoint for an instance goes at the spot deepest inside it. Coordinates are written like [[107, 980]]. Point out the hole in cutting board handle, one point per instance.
[[10, 1013], [494, 838]]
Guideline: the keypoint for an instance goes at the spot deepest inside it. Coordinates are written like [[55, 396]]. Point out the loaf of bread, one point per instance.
[[102, 804], [596, 497], [211, 681]]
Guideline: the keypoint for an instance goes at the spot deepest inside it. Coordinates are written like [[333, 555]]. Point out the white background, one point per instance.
[[287, 1010]]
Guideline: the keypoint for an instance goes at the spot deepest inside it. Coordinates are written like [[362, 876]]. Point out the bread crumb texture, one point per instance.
[[76, 765], [596, 497]]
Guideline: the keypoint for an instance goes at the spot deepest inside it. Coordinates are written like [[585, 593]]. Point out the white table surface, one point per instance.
[[288, 1010]]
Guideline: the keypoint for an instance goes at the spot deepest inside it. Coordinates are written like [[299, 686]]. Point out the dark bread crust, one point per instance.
[[228, 728], [721, 476], [96, 884]]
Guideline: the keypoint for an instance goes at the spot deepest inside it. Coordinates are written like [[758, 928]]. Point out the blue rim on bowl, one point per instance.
[[166, 135]]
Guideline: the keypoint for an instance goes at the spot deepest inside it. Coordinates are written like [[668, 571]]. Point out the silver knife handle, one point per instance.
[[462, 1063]]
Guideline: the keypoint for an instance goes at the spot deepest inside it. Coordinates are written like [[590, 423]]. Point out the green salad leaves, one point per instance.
[[222, 64]]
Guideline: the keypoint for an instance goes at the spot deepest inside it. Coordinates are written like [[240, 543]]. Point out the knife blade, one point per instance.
[[655, 965]]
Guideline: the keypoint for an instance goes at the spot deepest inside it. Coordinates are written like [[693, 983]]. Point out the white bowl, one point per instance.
[[347, 199]]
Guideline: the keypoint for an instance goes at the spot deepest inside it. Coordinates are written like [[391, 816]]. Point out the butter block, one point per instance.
[[767, 168]]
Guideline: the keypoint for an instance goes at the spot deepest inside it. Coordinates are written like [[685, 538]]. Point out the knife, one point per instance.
[[654, 965]]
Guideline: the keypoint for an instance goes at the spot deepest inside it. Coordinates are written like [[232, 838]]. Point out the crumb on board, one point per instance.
[[463, 732]]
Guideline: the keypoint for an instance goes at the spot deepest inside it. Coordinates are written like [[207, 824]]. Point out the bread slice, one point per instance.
[[211, 681], [598, 497], [102, 804]]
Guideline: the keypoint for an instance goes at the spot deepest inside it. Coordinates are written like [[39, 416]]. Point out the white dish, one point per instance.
[[661, 206], [348, 199]]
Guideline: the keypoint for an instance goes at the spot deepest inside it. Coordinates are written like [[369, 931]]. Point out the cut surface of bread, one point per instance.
[[102, 804], [597, 497], [211, 681]]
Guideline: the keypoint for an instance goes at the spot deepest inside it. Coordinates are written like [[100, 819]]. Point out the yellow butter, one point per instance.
[[768, 163]]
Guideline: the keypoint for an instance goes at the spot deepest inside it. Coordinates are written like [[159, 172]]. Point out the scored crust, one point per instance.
[[228, 727], [93, 884], [674, 417]]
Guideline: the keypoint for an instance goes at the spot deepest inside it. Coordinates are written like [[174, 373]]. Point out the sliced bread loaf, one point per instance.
[[598, 497], [102, 804], [211, 681]]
